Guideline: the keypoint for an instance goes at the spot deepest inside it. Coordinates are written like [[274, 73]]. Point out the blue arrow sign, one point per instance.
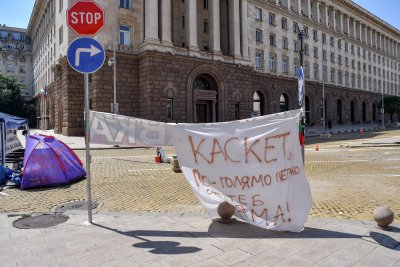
[[85, 55], [301, 86]]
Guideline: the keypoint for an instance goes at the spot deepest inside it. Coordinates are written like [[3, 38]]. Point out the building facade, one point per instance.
[[219, 60], [16, 57]]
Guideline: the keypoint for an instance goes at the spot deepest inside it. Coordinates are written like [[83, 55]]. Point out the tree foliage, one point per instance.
[[391, 104], [11, 100]]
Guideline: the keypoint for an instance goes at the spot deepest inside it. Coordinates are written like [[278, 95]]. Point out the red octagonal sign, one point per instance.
[[85, 18]]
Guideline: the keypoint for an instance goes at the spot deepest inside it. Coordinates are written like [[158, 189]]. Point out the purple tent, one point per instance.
[[49, 162]]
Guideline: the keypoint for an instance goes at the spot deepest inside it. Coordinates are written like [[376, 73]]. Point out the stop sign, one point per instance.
[[85, 17]]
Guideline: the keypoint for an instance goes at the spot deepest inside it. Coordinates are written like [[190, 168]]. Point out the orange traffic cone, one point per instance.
[[316, 147]]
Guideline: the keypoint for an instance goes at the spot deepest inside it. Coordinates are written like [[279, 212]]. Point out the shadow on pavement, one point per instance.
[[236, 229]]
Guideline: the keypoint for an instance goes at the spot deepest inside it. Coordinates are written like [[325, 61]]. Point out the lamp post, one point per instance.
[[302, 34], [383, 111], [113, 62]]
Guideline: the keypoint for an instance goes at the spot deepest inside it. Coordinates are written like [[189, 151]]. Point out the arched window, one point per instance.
[[284, 102], [258, 104], [374, 112], [308, 110], [339, 111], [364, 112], [201, 83], [352, 112]]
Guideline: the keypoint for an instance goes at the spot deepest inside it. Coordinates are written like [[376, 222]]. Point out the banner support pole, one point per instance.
[[87, 137]]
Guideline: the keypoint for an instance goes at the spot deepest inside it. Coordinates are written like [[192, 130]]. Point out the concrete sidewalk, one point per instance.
[[159, 239]]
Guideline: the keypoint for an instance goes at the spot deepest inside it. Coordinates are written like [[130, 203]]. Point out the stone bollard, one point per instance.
[[225, 211], [383, 216]]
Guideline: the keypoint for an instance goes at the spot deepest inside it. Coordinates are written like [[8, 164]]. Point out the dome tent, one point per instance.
[[49, 162]]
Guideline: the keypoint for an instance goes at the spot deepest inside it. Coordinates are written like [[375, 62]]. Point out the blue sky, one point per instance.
[[16, 13]]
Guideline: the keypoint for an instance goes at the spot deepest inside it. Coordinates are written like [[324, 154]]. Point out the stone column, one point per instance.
[[234, 29], [309, 8], [191, 25], [299, 6], [244, 37], [366, 34], [326, 14], [214, 111], [348, 25], [288, 4], [360, 30], [151, 21], [215, 38], [334, 18], [318, 12], [370, 36], [166, 31], [341, 22], [354, 28]]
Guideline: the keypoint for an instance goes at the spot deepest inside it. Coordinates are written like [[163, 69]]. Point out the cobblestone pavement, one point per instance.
[[345, 182]]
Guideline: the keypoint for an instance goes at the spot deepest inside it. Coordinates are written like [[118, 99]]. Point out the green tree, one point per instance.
[[391, 105], [11, 100]]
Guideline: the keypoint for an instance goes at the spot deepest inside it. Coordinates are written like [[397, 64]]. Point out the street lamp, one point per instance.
[[113, 62], [302, 34], [323, 84], [383, 111]]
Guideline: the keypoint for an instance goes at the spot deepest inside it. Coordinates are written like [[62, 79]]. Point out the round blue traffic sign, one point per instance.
[[85, 55]]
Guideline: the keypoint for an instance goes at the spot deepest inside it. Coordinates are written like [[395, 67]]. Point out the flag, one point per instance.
[[301, 86]]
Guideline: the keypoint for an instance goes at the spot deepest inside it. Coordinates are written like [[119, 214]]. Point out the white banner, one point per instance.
[[254, 164], [12, 141]]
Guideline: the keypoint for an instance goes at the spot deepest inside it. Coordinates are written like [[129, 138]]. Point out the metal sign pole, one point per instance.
[[302, 34], [3, 143], [87, 137]]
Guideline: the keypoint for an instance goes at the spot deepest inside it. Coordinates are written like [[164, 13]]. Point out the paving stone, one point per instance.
[[208, 263], [233, 256]]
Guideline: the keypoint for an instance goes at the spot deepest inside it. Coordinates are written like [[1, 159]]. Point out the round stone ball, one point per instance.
[[225, 210], [383, 216]]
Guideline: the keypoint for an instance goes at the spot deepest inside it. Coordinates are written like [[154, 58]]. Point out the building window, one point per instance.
[[315, 52], [258, 104], [125, 4], [272, 39], [124, 35], [353, 64], [237, 110], [332, 41], [306, 50], [316, 71], [272, 18], [346, 47], [284, 102], [323, 38], [295, 66], [315, 35], [339, 44], [284, 43], [272, 63], [61, 34], [205, 25], [340, 78], [296, 46], [10, 68], [284, 23], [324, 73], [333, 57], [307, 69], [183, 22], [346, 61], [295, 27], [352, 49], [205, 4], [259, 59], [339, 59], [305, 29], [332, 75], [258, 14], [258, 36], [284, 65], [170, 108]]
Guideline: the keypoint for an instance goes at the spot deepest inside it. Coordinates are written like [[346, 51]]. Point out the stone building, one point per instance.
[[220, 60], [16, 57]]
